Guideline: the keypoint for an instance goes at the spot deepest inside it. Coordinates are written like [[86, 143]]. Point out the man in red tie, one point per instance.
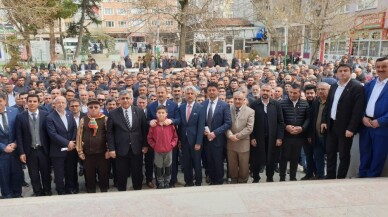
[[191, 131]]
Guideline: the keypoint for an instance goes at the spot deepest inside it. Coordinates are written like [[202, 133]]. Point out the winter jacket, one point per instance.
[[162, 138]]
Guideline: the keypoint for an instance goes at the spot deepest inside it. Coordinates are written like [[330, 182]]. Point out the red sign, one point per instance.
[[370, 21], [322, 51]]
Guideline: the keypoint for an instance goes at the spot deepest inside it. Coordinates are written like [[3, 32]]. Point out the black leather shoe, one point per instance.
[[306, 177], [189, 184], [255, 180], [269, 179], [48, 193], [208, 180], [293, 179], [282, 179]]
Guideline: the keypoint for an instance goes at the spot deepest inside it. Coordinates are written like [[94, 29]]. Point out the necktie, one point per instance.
[[5, 124], [210, 115], [237, 110], [188, 112], [127, 119], [33, 116]]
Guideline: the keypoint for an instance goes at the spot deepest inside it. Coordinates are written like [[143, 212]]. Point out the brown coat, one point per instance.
[[242, 126]]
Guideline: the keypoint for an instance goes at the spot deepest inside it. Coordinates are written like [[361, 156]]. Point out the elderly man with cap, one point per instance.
[[92, 147]]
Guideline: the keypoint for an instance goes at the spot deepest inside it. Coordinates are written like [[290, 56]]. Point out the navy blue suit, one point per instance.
[[214, 149], [191, 133], [373, 141], [173, 114], [10, 166], [64, 162], [38, 161]]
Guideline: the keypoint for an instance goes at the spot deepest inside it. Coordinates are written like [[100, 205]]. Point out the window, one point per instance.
[[136, 22], [366, 4], [121, 11], [108, 11], [109, 24], [154, 23], [137, 11], [122, 24]]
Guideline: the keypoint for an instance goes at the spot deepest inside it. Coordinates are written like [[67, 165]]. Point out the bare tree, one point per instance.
[[318, 16]]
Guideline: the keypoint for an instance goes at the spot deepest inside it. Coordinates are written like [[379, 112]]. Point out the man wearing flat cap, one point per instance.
[[92, 147]]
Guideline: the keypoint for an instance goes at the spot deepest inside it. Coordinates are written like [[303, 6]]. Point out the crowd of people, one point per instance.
[[253, 116]]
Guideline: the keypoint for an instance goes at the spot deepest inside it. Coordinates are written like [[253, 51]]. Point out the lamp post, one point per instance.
[[285, 40]]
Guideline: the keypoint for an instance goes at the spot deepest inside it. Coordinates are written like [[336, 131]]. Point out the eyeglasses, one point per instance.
[[100, 99], [125, 98], [93, 107], [73, 106]]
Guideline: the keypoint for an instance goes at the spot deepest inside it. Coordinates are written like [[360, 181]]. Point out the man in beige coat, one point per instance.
[[238, 138]]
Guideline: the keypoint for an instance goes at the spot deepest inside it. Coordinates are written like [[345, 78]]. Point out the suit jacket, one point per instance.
[[242, 126], [23, 132], [350, 109], [275, 129], [121, 138], [221, 122], [381, 106], [6, 139], [172, 111], [193, 128], [59, 136]]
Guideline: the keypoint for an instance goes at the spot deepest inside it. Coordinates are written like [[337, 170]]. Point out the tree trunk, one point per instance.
[[183, 29], [61, 39], [81, 30], [52, 40], [26, 37]]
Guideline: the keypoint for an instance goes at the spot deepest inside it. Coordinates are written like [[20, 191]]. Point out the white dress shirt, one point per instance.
[[1, 118], [77, 118], [64, 119], [129, 114], [212, 106], [36, 114], [377, 89], [11, 99], [337, 96]]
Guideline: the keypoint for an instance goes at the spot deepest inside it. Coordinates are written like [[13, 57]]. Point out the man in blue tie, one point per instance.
[[218, 121], [10, 166]]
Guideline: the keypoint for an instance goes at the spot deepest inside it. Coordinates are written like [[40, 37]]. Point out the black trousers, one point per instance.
[[129, 164], [93, 163], [149, 164], [341, 144], [174, 165], [309, 152], [290, 152], [65, 172], [38, 164]]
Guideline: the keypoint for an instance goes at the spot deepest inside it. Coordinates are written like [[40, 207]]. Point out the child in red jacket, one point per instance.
[[162, 138]]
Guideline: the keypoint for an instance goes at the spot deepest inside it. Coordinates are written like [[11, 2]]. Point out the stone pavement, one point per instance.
[[349, 197]]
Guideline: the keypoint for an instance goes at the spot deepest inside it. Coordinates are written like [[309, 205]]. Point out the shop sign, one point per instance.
[[370, 21]]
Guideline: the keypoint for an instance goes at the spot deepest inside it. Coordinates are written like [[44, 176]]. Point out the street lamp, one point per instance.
[[285, 23]]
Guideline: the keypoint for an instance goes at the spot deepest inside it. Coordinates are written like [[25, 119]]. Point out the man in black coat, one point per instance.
[[32, 137], [341, 118], [127, 133], [296, 113], [267, 135]]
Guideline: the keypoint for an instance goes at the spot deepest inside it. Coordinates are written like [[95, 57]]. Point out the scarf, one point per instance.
[[93, 123]]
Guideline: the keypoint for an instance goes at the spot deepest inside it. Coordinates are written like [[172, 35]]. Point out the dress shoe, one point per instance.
[[208, 180], [160, 185], [256, 180], [151, 185], [25, 184], [282, 179], [190, 184], [198, 184], [306, 177], [293, 179], [169, 186], [38, 194], [269, 179], [48, 193]]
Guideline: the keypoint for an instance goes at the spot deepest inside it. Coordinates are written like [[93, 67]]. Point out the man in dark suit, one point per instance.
[[341, 118], [10, 167], [267, 135], [191, 131], [62, 130], [373, 135], [127, 128], [218, 121], [172, 118], [33, 148]]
